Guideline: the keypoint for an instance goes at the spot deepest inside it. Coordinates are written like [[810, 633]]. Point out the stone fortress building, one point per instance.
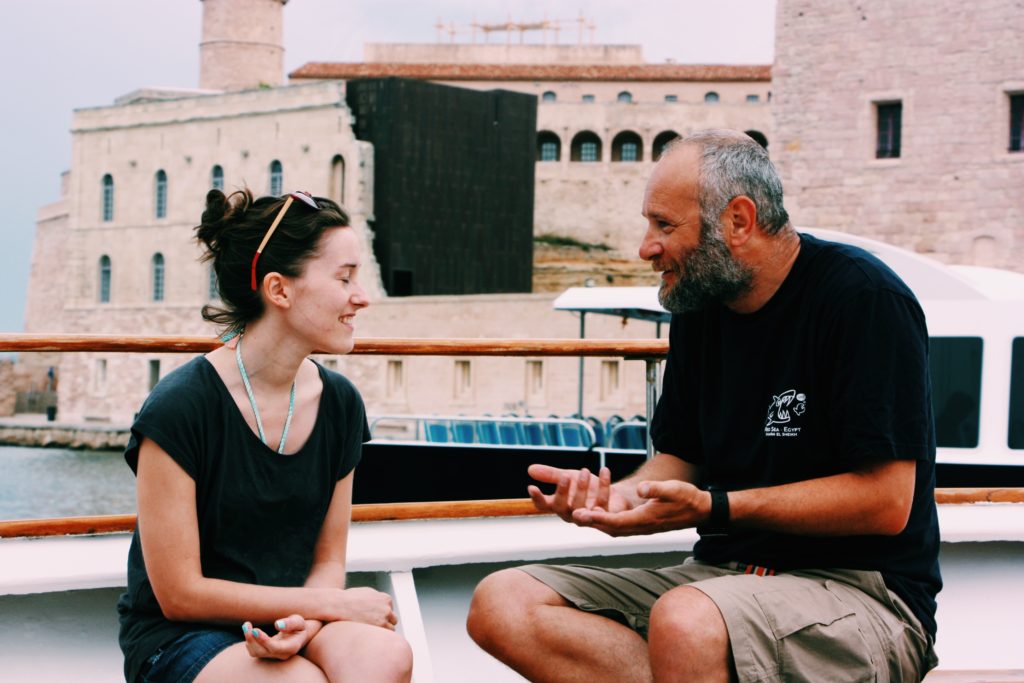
[[115, 255], [877, 126], [902, 121]]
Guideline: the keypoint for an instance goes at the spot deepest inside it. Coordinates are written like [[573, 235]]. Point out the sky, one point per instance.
[[62, 55]]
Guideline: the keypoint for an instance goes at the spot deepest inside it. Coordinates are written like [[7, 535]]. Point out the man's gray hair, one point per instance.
[[733, 164]]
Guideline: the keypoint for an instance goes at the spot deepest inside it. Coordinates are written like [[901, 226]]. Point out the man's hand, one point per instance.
[[577, 490], [667, 505], [290, 638]]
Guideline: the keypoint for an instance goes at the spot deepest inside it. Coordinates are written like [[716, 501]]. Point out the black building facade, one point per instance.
[[453, 185]]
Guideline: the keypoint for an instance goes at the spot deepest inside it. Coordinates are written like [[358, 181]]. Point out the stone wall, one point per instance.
[[955, 191]]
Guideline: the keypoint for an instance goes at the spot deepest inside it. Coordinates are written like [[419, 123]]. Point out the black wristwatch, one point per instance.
[[718, 522]]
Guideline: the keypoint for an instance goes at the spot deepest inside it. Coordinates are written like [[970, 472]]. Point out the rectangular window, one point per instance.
[[1015, 439], [549, 151], [99, 377], [588, 98], [463, 380], [534, 380], [609, 380], [671, 98], [212, 289], [753, 98], [588, 151], [629, 151], [955, 364], [331, 364], [1016, 121], [395, 380], [890, 115], [154, 373]]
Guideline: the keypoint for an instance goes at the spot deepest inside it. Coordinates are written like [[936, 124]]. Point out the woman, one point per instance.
[[244, 460]]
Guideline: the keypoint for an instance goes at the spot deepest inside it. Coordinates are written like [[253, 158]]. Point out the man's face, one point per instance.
[[697, 268]]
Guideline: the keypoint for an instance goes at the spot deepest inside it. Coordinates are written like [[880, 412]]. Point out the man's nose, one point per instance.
[[650, 248]]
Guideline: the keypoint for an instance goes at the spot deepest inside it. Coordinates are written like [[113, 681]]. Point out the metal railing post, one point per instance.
[[652, 399]]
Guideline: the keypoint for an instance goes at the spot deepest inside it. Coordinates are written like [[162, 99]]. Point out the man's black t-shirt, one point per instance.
[[829, 375], [259, 512]]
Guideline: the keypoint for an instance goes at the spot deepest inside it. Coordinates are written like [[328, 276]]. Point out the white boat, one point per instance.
[[57, 594]]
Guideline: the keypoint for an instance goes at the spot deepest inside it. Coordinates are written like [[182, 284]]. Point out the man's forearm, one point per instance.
[[872, 500]]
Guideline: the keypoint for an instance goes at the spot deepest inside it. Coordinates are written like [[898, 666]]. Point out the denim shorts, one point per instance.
[[183, 659]]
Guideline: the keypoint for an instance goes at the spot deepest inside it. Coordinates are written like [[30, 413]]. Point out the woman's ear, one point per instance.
[[277, 290]]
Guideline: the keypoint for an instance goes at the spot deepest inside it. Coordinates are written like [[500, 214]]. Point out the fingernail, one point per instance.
[[245, 629], [256, 633], [279, 624]]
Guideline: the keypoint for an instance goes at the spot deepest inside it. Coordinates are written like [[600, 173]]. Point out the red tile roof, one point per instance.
[[535, 72]]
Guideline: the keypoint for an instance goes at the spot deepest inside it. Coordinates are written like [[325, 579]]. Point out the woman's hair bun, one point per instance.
[[220, 212]]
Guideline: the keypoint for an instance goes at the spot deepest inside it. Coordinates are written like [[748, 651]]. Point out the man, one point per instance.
[[796, 392]]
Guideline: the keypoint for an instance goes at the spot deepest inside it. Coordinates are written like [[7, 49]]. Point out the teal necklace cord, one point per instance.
[[255, 408]]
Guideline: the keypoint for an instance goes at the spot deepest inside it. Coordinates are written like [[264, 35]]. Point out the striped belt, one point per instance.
[[751, 569]]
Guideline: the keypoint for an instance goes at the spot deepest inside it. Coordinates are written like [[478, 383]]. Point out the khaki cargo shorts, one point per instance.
[[808, 625]]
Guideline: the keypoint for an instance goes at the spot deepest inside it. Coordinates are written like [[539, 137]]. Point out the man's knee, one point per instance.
[[501, 602], [686, 614]]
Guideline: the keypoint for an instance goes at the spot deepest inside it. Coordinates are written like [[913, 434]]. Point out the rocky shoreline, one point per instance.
[[39, 433]]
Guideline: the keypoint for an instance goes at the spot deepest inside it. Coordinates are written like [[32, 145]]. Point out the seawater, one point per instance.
[[59, 482]]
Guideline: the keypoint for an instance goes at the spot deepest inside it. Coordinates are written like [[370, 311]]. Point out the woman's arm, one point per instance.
[[169, 532]]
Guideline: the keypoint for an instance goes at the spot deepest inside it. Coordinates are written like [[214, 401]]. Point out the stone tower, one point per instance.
[[242, 44]]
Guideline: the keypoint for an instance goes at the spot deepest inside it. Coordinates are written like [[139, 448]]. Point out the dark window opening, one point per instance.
[[1015, 438], [627, 146], [549, 147], [955, 364], [758, 137], [586, 146], [890, 117], [661, 141], [108, 197], [1016, 122], [154, 373]]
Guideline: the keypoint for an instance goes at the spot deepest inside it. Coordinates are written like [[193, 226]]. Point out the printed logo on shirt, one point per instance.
[[782, 412]]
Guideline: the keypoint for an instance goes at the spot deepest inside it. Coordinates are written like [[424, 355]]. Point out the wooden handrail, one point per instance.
[[367, 512], [381, 512], [624, 348]]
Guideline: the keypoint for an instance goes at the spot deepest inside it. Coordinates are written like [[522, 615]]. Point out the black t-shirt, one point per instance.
[[259, 512], [830, 374]]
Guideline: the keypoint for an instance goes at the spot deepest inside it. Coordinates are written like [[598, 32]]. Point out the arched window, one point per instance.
[[549, 96], [276, 178], [160, 198], [625, 97], [710, 97], [337, 188], [549, 146], [158, 277], [586, 146], [627, 146], [217, 177], [758, 137], [108, 197], [661, 141], [104, 279]]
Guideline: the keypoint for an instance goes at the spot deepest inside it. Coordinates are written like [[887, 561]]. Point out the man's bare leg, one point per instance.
[[688, 639], [532, 629]]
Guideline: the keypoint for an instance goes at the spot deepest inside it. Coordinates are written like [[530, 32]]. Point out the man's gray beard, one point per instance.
[[710, 275]]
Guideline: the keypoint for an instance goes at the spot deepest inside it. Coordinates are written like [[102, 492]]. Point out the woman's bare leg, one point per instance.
[[351, 652], [236, 664]]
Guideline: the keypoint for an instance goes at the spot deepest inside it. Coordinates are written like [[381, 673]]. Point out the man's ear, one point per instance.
[[740, 220], [277, 290]]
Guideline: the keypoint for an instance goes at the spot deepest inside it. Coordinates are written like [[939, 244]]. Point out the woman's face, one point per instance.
[[328, 294]]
